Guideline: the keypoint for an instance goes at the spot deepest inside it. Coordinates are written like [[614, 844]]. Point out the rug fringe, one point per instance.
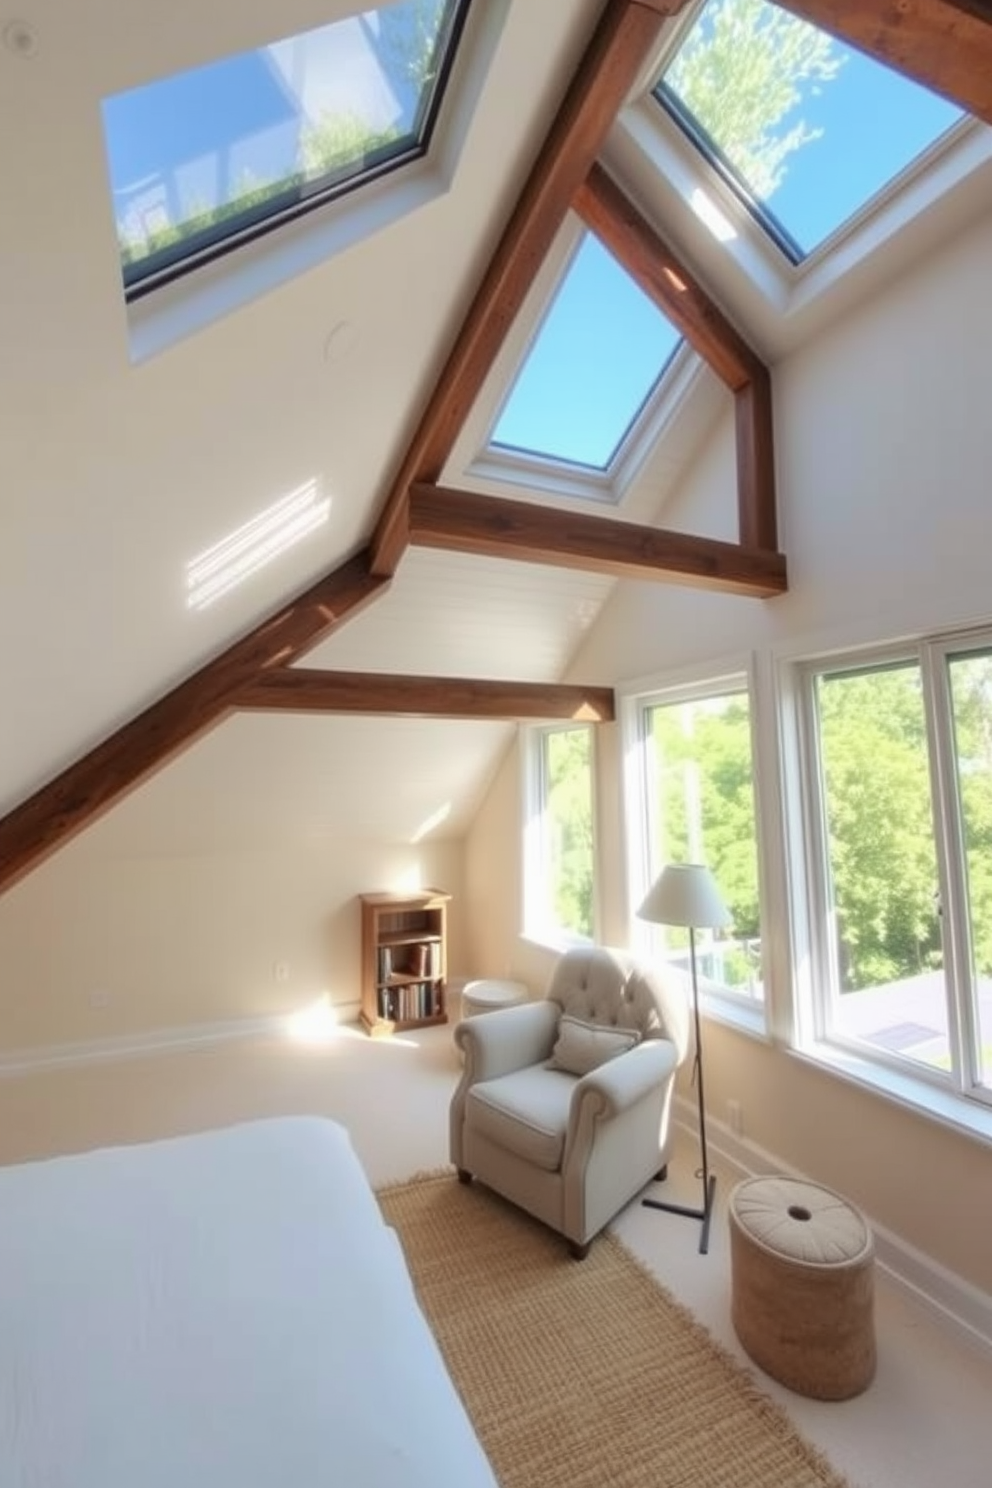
[[772, 1412]]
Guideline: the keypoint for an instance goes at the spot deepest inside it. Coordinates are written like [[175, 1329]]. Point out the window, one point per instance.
[[559, 871], [696, 803], [209, 158], [806, 130], [599, 353], [899, 794]]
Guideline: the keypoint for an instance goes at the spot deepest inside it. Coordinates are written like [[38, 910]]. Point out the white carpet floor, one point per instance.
[[925, 1422]]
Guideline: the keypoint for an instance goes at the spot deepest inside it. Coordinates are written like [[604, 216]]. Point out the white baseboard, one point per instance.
[[32, 1061], [948, 1296]]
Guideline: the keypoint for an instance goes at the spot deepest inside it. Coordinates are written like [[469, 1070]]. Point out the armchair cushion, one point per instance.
[[525, 1113], [581, 1047]]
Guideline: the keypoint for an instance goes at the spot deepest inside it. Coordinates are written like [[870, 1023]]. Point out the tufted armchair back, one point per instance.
[[602, 985]]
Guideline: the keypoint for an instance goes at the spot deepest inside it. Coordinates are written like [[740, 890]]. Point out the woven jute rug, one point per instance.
[[584, 1374]]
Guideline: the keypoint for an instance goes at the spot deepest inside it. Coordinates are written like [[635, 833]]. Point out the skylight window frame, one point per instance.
[[580, 468], [790, 262], [174, 262], [648, 149], [483, 465], [718, 163]]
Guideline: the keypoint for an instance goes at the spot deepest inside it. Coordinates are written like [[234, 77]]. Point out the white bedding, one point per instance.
[[219, 1311]]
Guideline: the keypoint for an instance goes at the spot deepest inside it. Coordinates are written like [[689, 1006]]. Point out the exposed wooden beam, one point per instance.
[[944, 44], [627, 30], [664, 278], [307, 690], [757, 517], [462, 521], [87, 788]]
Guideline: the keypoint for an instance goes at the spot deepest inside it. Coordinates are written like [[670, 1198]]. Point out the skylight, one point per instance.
[[807, 130], [601, 349], [211, 157]]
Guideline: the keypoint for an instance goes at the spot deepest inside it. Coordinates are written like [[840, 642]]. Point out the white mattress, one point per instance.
[[219, 1311]]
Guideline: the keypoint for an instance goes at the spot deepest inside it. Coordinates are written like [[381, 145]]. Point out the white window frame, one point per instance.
[[537, 919], [188, 304], [955, 1098], [737, 674]]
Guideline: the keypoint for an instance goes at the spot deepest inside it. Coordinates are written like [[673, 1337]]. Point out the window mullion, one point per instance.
[[819, 898], [955, 932]]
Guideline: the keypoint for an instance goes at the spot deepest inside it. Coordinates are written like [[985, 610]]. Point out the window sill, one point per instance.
[[970, 1118], [744, 1017], [556, 941]]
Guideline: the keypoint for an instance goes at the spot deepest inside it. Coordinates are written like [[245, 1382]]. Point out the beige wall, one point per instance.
[[95, 946], [884, 449]]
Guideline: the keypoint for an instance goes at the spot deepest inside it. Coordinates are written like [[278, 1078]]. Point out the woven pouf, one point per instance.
[[802, 1286]]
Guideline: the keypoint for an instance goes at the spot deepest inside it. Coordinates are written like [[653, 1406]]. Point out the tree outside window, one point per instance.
[[701, 795], [567, 830], [905, 962]]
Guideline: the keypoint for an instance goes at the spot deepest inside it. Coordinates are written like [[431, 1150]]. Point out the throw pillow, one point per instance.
[[581, 1047]]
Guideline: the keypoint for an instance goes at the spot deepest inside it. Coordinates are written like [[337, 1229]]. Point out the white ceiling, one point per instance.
[[114, 474]]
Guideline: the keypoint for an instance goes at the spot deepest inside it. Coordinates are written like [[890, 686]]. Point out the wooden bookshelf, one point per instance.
[[404, 960]]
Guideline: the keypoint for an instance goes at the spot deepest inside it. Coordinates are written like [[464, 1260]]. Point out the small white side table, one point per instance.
[[490, 993]]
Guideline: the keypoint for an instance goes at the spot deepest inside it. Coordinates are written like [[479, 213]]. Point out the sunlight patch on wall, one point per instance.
[[434, 820], [243, 552]]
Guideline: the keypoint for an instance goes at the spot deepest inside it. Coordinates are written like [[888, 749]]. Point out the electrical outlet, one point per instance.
[[735, 1117], [280, 971]]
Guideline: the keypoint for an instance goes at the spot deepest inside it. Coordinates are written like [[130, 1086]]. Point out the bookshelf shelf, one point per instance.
[[404, 961]]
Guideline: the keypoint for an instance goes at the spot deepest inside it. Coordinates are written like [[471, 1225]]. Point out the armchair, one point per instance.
[[563, 1105]]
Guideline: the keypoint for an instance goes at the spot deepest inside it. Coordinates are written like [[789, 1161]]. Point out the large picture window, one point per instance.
[[560, 867], [698, 805], [899, 796]]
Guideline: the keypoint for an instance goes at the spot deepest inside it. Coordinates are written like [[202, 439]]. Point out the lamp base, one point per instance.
[[705, 1213]]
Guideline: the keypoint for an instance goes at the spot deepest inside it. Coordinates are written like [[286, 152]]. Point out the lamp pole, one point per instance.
[[709, 1179]]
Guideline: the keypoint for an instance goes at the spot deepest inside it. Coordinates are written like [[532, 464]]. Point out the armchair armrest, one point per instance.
[[500, 1042], [617, 1134], [620, 1083]]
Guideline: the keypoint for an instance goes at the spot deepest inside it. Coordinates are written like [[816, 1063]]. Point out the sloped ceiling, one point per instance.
[[113, 474]]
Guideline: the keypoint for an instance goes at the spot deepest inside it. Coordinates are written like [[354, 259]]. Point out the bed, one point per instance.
[[226, 1310]]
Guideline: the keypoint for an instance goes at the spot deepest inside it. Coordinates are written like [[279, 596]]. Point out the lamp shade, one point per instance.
[[685, 894]]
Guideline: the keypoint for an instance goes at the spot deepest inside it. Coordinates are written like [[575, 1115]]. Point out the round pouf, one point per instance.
[[802, 1286], [486, 995]]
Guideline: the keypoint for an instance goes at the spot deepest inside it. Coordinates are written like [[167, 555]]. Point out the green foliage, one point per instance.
[[337, 146], [341, 144], [971, 690], [741, 72], [704, 794], [879, 825], [568, 781], [876, 788]]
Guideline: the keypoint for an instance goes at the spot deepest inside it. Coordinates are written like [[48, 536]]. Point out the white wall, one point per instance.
[[884, 455]]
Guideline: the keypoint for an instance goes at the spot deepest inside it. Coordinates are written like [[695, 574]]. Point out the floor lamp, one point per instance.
[[686, 894]]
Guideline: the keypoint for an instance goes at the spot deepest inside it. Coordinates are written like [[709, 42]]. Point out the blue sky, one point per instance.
[[603, 345], [202, 137], [190, 141], [599, 352], [874, 123]]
